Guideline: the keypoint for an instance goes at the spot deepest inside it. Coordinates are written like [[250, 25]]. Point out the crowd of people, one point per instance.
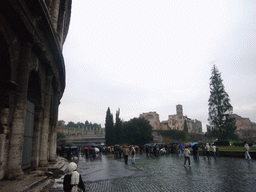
[[159, 149], [73, 180], [68, 152]]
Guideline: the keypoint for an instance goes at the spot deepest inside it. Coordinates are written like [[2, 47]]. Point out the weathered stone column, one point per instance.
[[3, 142], [46, 123], [19, 116], [55, 13], [36, 136], [53, 133]]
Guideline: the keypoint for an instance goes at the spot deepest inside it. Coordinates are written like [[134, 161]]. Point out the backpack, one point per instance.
[[133, 152]]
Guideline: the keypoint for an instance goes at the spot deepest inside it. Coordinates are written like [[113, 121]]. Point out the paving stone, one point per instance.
[[167, 173]]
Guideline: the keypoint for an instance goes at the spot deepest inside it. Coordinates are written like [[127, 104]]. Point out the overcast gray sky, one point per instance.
[[150, 55]]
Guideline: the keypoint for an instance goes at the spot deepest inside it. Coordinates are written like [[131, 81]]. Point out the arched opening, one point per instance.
[[5, 77], [33, 100]]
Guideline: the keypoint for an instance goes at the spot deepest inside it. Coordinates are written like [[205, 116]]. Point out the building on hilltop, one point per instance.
[[197, 127], [245, 129], [153, 118], [32, 77], [174, 122]]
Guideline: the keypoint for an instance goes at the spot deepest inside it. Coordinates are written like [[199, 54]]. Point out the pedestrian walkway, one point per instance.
[[167, 173], [36, 180]]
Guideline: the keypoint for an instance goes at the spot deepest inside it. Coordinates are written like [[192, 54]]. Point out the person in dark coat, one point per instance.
[[147, 150], [72, 178], [195, 149]]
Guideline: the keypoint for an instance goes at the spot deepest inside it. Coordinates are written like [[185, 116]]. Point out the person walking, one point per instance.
[[186, 154], [203, 149], [181, 149], [195, 151], [214, 151], [247, 149], [177, 149], [207, 148], [72, 180], [133, 153], [126, 152], [147, 150]]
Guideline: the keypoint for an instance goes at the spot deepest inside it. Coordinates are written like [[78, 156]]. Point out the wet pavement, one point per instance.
[[166, 173]]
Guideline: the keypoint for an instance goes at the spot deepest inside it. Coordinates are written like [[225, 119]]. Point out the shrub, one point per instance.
[[221, 143]]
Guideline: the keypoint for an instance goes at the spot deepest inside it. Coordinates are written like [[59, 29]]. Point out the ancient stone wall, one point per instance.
[[245, 128], [153, 118], [32, 81], [83, 131]]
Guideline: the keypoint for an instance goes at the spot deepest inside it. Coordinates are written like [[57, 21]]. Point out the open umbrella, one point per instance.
[[193, 143]]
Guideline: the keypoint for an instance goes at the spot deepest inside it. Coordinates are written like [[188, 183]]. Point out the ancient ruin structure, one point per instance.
[[32, 77], [153, 119], [81, 131], [245, 129], [174, 122]]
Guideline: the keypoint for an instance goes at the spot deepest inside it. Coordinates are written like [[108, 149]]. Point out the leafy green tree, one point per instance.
[[71, 124], [173, 134], [137, 131], [86, 123], [230, 127], [118, 128], [61, 139], [220, 109], [210, 132], [80, 124], [109, 128]]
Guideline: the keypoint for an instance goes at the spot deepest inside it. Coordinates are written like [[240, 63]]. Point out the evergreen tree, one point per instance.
[[137, 131], [220, 109], [118, 128], [109, 128]]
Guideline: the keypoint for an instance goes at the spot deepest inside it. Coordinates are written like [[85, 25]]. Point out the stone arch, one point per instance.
[[34, 88], [32, 128]]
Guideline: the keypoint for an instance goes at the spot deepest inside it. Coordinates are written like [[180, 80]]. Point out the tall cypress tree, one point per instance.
[[109, 128], [118, 128], [220, 109]]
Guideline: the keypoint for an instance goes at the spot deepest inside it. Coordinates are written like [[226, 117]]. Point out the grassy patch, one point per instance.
[[234, 148], [230, 148]]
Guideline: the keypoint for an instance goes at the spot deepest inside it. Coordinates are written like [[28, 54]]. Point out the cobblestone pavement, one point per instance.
[[167, 173]]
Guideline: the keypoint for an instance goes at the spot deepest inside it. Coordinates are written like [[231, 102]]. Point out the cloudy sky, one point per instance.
[[150, 55]]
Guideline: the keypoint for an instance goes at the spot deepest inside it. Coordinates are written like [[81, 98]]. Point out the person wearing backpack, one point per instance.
[[133, 153], [72, 180]]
